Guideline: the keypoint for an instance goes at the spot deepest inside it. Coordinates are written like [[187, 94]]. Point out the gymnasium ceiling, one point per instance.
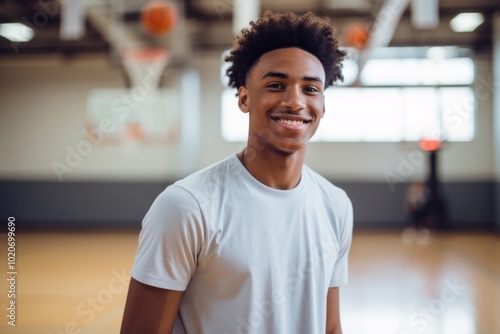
[[207, 24]]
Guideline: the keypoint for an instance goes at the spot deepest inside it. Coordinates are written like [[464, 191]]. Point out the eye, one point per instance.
[[275, 85], [311, 89]]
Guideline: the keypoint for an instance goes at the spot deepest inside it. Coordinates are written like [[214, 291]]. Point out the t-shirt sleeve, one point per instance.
[[170, 241], [345, 226]]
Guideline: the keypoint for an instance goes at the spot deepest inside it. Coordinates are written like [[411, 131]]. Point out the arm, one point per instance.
[[332, 312], [150, 310]]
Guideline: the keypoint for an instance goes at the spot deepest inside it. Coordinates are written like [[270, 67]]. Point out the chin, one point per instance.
[[279, 143], [290, 147]]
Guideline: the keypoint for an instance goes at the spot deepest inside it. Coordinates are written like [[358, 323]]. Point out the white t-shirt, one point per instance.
[[251, 259]]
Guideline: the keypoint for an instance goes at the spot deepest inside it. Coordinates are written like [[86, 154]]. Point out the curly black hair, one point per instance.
[[276, 30]]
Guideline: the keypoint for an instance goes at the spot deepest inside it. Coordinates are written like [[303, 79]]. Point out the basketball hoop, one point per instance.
[[145, 66], [430, 145]]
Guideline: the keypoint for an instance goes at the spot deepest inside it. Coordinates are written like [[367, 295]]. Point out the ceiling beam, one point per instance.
[[382, 30], [113, 30]]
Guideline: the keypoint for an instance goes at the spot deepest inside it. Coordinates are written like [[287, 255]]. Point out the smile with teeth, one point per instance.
[[290, 121]]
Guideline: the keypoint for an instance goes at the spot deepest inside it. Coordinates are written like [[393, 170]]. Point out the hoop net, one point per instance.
[[145, 66]]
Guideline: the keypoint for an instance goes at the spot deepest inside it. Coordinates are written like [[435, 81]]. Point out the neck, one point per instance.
[[275, 169]]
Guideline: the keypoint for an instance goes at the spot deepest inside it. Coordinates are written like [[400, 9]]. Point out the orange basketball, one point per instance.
[[357, 36], [159, 17]]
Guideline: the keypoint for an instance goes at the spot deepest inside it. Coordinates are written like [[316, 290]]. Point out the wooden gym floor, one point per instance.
[[400, 283]]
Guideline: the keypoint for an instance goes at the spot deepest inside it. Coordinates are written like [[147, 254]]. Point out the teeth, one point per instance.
[[291, 122]]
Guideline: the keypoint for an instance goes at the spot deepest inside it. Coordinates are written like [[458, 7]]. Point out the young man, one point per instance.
[[257, 243]]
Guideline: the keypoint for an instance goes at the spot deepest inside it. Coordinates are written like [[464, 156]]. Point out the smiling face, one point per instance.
[[284, 98]]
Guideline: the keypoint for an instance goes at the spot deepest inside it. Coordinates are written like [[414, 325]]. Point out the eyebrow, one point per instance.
[[285, 76]]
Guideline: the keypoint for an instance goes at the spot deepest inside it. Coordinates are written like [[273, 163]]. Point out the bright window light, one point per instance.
[[458, 319], [424, 71], [436, 52], [420, 109], [16, 32], [350, 72], [335, 107], [366, 111], [234, 122], [458, 106], [466, 22], [456, 71]]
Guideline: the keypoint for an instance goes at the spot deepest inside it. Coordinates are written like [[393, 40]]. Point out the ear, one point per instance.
[[243, 99]]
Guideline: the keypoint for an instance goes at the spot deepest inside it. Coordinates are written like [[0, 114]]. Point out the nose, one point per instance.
[[293, 99]]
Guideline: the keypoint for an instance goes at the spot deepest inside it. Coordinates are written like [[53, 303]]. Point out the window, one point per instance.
[[400, 99]]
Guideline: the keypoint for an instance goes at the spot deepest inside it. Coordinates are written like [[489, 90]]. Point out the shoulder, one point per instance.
[[211, 174], [206, 183], [171, 204], [191, 193]]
